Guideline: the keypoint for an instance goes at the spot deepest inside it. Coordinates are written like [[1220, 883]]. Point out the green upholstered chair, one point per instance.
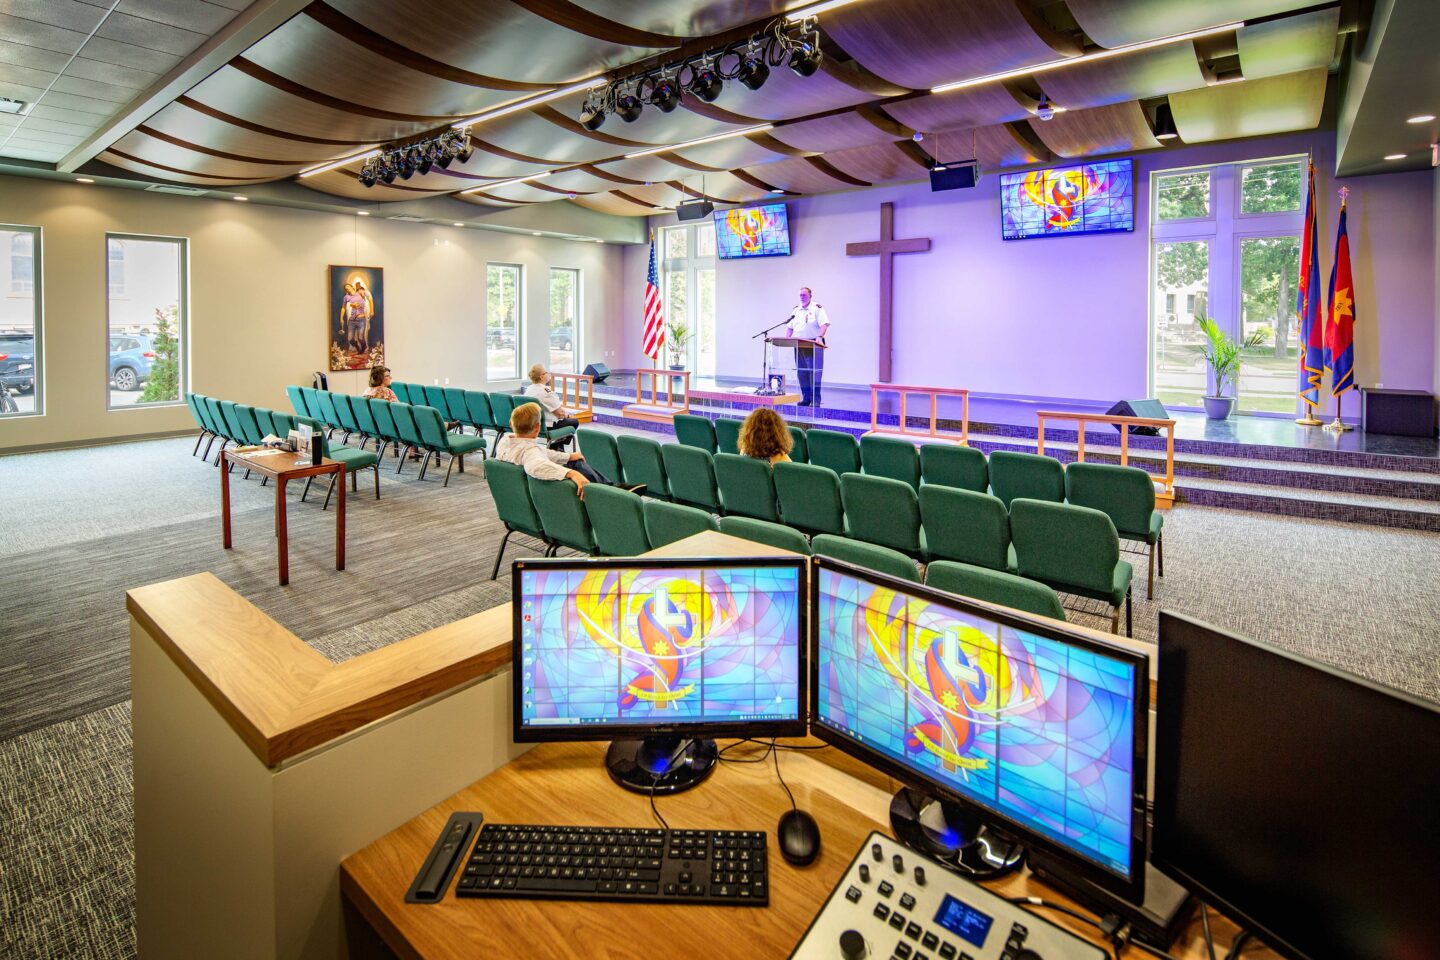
[[551, 434], [510, 490], [309, 403], [643, 463], [401, 391], [436, 440], [562, 513], [695, 431], [501, 406], [994, 586], [360, 407], [409, 431], [477, 405], [690, 471], [1029, 475], [222, 428], [455, 403], [435, 397], [233, 429], [263, 421], [668, 522], [747, 487], [216, 430], [1127, 496], [297, 400], [1073, 549], [891, 457], [883, 511], [763, 531], [892, 563], [799, 448], [834, 449], [353, 458], [344, 414], [600, 452], [810, 498], [193, 402], [385, 430], [727, 435], [951, 465], [328, 415], [965, 526], [617, 518], [281, 423]]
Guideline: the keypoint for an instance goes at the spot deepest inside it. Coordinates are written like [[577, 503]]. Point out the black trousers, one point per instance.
[[810, 367], [589, 472], [563, 422]]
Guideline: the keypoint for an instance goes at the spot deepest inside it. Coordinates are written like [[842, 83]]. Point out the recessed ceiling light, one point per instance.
[[362, 213], [83, 180], [537, 233], [457, 223], [778, 192], [599, 241], [240, 198], [1394, 156], [1423, 118]]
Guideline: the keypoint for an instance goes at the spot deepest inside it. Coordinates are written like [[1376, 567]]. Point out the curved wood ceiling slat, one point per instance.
[[1251, 108], [482, 201], [1114, 128], [922, 43], [835, 132], [786, 95], [1135, 76], [684, 19], [574, 17], [584, 181], [1289, 45], [530, 135], [877, 163], [651, 169], [1114, 23], [614, 205], [735, 152], [289, 137], [236, 93], [150, 169], [294, 88], [795, 175], [143, 146], [157, 134], [958, 109]]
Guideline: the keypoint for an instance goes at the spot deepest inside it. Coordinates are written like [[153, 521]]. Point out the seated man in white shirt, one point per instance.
[[555, 413], [522, 447]]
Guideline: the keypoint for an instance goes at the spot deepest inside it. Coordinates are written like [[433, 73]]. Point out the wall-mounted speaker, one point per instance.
[[694, 210], [954, 176], [1150, 409], [597, 370]]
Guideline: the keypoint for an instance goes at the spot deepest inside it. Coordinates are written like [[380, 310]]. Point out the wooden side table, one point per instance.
[[283, 466]]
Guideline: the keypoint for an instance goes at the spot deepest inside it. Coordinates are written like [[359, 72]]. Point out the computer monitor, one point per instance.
[[1296, 798], [659, 656], [1005, 729]]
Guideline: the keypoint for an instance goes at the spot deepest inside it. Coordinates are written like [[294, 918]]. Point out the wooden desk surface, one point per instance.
[[567, 784], [278, 463]]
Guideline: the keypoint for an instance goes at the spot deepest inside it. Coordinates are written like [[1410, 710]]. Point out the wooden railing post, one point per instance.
[[1166, 494]]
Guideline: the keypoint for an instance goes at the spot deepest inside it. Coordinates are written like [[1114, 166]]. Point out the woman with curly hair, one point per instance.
[[764, 436]]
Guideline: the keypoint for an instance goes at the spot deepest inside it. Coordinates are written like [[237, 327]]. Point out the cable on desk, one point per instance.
[[1061, 908], [1149, 949], [654, 809], [1238, 944], [1205, 923], [776, 755]]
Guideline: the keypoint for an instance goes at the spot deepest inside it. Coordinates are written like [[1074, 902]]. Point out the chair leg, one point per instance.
[[306, 492], [197, 443], [264, 481], [1114, 619], [210, 443], [355, 480], [1150, 583], [400, 455], [1129, 619], [503, 540], [452, 467], [1160, 552], [424, 464], [462, 462], [377, 480], [329, 490]]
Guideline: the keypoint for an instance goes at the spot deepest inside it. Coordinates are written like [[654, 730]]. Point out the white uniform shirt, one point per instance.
[[806, 322], [548, 399], [538, 461]]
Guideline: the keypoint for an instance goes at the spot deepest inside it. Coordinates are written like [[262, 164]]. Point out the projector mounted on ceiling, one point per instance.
[[11, 106]]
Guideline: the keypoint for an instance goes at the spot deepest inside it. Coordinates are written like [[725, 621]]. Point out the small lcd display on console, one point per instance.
[[964, 921]]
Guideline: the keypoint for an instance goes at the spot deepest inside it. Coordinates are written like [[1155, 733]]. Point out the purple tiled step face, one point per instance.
[[1314, 507]]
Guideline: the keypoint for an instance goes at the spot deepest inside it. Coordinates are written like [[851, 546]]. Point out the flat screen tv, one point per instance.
[[762, 231], [1059, 201]]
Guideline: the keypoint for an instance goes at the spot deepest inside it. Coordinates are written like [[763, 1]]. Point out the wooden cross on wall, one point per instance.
[[886, 248]]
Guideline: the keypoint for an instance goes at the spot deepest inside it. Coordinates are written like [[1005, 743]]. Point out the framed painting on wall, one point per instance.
[[357, 318]]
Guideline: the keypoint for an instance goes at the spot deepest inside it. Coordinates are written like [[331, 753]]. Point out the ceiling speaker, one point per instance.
[[955, 176], [694, 210]]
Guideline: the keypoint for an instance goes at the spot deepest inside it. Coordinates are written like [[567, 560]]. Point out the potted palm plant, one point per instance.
[[677, 336], [1222, 353]]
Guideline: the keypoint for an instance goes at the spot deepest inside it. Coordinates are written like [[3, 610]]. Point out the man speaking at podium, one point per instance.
[[809, 322]]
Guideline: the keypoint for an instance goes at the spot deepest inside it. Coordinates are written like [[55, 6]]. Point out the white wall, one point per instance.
[[258, 298]]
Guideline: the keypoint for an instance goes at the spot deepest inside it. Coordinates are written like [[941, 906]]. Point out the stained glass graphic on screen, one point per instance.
[[1039, 731], [1085, 198], [661, 645], [762, 231]]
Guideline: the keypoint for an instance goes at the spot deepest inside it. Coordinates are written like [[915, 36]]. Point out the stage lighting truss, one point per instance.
[[419, 157], [703, 75]]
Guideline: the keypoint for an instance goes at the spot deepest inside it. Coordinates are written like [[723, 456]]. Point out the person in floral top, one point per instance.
[[380, 385]]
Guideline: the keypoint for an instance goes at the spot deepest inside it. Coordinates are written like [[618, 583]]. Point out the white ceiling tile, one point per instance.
[[196, 15], [148, 33]]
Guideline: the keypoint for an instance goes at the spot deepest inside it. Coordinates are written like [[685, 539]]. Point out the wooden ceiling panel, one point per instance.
[[582, 181], [538, 192], [1115, 128], [149, 169], [1135, 76], [1251, 108], [729, 154], [534, 136], [200, 129], [652, 128], [923, 43], [786, 95], [959, 109], [877, 163], [646, 169], [685, 19], [163, 152], [1114, 23], [798, 175], [835, 132], [1290, 45], [614, 205], [341, 183]]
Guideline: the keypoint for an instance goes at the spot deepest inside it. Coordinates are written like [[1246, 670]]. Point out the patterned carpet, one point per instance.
[[1362, 598]]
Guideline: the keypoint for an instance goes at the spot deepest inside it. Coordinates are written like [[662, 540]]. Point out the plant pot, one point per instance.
[[677, 366], [1219, 408]]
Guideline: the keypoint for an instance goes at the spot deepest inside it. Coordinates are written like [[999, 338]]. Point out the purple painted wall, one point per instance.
[[1065, 317]]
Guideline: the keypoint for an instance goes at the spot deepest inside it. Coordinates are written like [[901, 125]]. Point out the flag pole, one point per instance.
[[1311, 238], [1338, 426]]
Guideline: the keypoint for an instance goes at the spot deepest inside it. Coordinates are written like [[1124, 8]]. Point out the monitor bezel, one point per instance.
[[1131, 888], [557, 733], [1068, 233], [719, 215]]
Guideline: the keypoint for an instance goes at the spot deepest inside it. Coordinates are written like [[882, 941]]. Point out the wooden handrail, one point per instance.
[[1165, 488], [669, 377], [564, 381], [934, 393]]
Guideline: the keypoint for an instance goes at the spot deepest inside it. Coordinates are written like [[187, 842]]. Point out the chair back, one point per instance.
[[994, 586], [364, 419], [562, 513], [232, 422], [643, 463], [882, 511], [810, 498], [727, 435], [328, 415], [892, 563], [600, 452], [834, 449], [281, 423], [695, 431], [431, 425], [1124, 494], [1026, 475], [763, 531], [501, 406], [310, 403], [201, 411], [952, 465], [401, 390], [405, 424], [617, 518], [297, 399], [217, 417], [477, 405], [965, 526], [511, 492], [249, 423], [747, 486], [690, 471], [1063, 544], [668, 522], [384, 419], [455, 404], [263, 421], [891, 457], [799, 448], [343, 413]]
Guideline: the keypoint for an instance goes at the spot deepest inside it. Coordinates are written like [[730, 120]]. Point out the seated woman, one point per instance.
[[764, 436], [380, 385]]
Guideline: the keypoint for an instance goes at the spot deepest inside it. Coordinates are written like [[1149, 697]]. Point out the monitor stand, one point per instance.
[[952, 835], [660, 764]]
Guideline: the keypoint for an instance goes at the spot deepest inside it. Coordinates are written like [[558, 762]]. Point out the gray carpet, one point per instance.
[[1362, 598]]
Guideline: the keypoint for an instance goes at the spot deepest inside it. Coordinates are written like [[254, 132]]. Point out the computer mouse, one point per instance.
[[799, 837]]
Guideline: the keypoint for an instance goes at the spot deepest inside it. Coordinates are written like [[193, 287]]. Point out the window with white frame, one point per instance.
[[565, 331], [688, 286], [504, 320], [147, 320], [20, 333]]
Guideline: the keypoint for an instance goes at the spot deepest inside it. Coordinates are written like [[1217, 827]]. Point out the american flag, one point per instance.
[[654, 310]]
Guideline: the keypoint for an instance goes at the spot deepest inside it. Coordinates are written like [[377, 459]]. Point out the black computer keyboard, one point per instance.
[[726, 867]]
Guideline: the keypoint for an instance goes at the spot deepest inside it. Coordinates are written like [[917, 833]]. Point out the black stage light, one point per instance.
[[1165, 123], [443, 161], [426, 162], [388, 174], [754, 71], [466, 151], [367, 177], [805, 58], [706, 83], [592, 115], [665, 95], [628, 107]]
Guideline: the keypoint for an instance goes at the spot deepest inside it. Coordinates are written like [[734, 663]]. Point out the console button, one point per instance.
[[897, 920], [852, 946], [902, 950], [864, 873], [882, 911], [875, 852], [913, 931], [931, 941], [885, 888], [907, 901], [947, 950], [898, 862], [853, 894]]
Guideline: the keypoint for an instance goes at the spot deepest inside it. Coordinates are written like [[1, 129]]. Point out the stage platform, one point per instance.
[[1262, 464]]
